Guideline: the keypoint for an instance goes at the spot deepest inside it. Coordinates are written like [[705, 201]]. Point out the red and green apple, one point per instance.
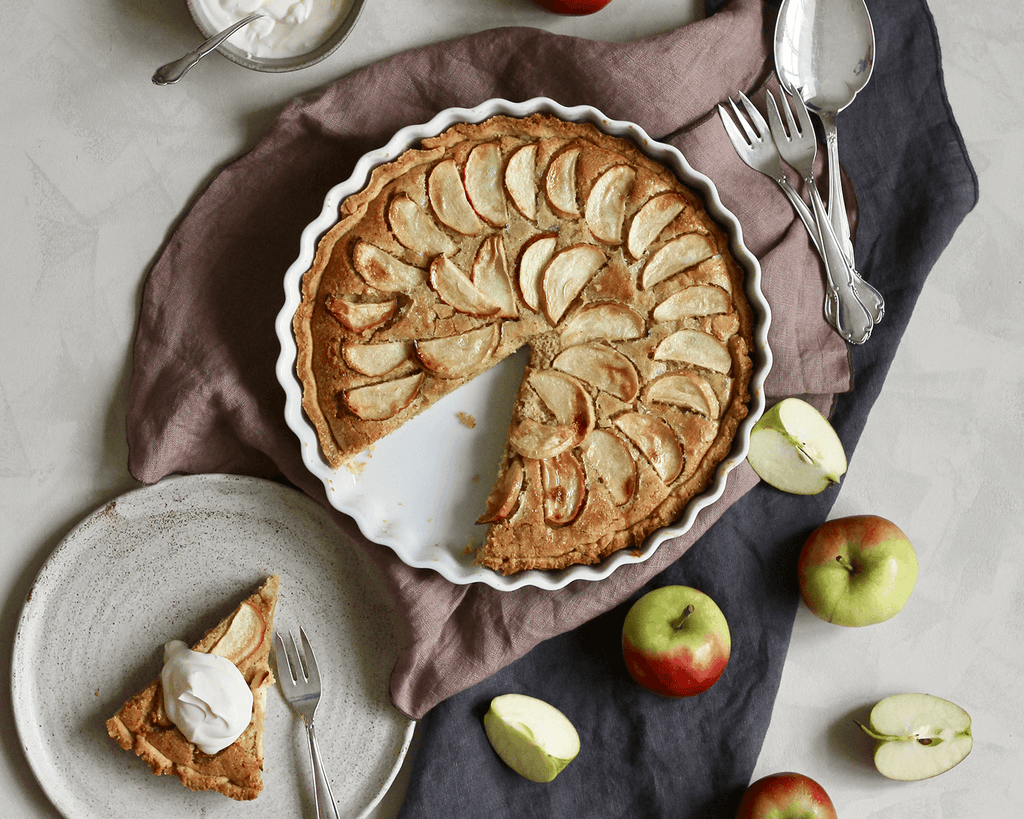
[[785, 795], [675, 641], [577, 7]]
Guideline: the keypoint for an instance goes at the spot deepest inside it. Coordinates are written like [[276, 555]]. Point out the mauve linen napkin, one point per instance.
[[204, 397]]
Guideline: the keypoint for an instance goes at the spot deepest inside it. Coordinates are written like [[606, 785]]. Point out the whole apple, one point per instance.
[[675, 641], [577, 7], [856, 571], [786, 795]]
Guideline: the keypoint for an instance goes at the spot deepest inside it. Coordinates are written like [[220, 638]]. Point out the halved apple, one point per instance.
[[605, 210], [532, 261], [483, 176], [675, 256], [607, 320], [455, 289], [695, 347], [532, 439], [415, 229], [698, 300], [566, 275], [376, 402], [560, 183], [601, 366], [687, 390], [449, 201], [568, 401], [244, 635], [609, 457], [533, 738], [502, 499], [656, 442], [651, 220], [376, 359], [382, 271], [521, 180], [564, 488], [359, 316], [454, 356], [490, 275], [918, 736]]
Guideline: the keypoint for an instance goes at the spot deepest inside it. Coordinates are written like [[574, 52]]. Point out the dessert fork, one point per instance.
[[299, 678], [756, 147], [796, 141]]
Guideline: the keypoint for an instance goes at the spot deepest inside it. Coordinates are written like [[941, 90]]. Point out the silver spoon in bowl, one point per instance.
[[174, 71]]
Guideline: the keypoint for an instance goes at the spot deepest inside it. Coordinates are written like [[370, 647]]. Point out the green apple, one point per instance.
[[794, 448], [856, 571], [533, 738], [675, 641], [785, 795], [918, 736]]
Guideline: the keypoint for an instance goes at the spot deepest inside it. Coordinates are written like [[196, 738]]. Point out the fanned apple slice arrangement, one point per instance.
[[555, 235]]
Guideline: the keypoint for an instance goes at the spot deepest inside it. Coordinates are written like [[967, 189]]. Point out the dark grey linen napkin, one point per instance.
[[644, 756]]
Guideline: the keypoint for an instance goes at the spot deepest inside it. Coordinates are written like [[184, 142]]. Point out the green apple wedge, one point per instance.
[[794, 448], [918, 736], [532, 737]]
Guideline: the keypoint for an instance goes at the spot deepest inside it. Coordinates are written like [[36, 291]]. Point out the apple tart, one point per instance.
[[144, 726], [552, 234]]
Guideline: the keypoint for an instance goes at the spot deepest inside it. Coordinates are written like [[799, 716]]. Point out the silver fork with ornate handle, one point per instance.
[[796, 141], [299, 678], [755, 146]]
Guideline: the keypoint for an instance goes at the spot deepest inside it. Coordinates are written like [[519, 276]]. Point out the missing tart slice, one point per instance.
[[202, 719]]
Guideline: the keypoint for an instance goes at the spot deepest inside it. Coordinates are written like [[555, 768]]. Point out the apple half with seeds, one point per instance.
[[918, 736], [532, 737], [794, 448]]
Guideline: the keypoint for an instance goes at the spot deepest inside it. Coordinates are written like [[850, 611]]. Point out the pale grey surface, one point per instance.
[[99, 165]]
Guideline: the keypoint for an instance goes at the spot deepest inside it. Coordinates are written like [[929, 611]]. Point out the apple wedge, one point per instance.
[[656, 441], [651, 220], [376, 402], [358, 316], [532, 439], [455, 356], [533, 738], [382, 271], [565, 488], [415, 229], [490, 275], [606, 320], [560, 183], [794, 448], [675, 256], [449, 201], [918, 736], [244, 635], [456, 289], [566, 275], [532, 261], [687, 390], [376, 359], [483, 174], [568, 401], [521, 180], [697, 348], [602, 367], [605, 210], [609, 458], [698, 300], [502, 499]]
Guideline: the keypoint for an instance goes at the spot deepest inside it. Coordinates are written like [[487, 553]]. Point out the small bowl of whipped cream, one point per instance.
[[292, 34]]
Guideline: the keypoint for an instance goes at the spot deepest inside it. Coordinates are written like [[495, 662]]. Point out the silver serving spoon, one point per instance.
[[825, 51], [174, 71]]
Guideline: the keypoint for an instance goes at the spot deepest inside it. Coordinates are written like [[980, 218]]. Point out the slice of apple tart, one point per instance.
[[555, 235]]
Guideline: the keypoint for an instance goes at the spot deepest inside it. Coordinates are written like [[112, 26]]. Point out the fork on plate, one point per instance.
[[757, 147], [299, 678]]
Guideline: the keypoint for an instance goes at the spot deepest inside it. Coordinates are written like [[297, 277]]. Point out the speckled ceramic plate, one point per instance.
[[425, 507], [169, 561]]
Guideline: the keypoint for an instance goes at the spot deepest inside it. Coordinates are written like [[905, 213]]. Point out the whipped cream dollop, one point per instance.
[[288, 29], [206, 696]]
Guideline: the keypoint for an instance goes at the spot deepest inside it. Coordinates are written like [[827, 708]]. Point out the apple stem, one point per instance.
[[678, 624], [846, 564]]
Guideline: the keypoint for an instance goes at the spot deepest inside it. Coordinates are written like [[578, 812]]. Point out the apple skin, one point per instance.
[[786, 795], [574, 7], [857, 571], [676, 641]]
